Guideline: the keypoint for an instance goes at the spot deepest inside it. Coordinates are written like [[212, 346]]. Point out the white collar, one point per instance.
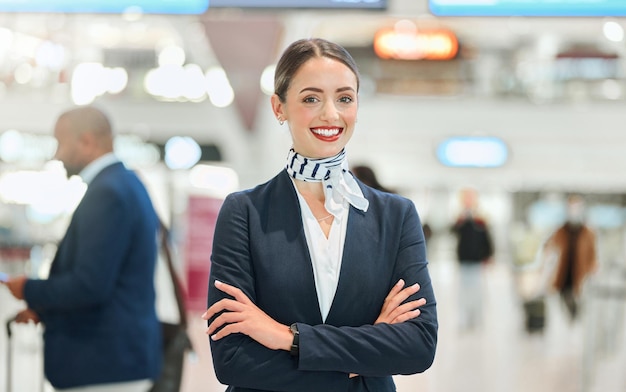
[[96, 166]]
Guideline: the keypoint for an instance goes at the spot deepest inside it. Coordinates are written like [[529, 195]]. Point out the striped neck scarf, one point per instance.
[[339, 185]]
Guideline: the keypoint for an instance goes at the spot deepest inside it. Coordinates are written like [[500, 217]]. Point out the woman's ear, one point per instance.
[[277, 108]]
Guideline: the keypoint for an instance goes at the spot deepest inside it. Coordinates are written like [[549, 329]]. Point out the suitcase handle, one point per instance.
[[9, 369], [8, 325]]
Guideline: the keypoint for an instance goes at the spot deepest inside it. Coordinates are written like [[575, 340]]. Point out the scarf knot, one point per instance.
[[339, 185]]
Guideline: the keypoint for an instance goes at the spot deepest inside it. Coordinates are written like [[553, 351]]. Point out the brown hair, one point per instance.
[[301, 51], [368, 177]]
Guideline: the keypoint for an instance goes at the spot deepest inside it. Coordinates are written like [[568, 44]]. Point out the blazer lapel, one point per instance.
[[281, 218]]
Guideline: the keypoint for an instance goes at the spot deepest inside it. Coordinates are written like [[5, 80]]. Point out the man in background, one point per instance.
[[98, 303], [474, 249]]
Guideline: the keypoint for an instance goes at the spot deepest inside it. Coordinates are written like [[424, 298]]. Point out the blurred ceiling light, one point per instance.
[[48, 190], [194, 83], [219, 89], [11, 145], [405, 43], [117, 80], [23, 73], [30, 148], [181, 152], [218, 180], [165, 82], [60, 195], [613, 31], [172, 55], [87, 83], [50, 55], [91, 80], [19, 187], [267, 79]]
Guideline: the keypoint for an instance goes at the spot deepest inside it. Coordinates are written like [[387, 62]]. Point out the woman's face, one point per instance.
[[320, 107]]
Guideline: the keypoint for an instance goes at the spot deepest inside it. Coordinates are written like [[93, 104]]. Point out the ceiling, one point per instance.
[[219, 35]]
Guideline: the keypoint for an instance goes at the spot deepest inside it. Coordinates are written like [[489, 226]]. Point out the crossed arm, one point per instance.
[[241, 315]]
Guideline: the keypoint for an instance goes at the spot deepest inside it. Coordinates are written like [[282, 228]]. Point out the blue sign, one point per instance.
[[555, 8], [105, 6], [472, 152], [311, 4]]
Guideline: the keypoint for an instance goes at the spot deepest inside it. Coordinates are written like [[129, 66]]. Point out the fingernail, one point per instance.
[[213, 337], [203, 315], [400, 282], [217, 282]]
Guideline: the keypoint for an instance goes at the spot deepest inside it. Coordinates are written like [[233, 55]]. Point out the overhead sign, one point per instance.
[[469, 151], [439, 44], [554, 8], [367, 4], [106, 6]]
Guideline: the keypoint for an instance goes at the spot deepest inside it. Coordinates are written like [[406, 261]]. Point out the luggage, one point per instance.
[[535, 314], [26, 347]]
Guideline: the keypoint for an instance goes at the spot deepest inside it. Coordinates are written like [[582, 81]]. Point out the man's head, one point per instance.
[[83, 135], [575, 209]]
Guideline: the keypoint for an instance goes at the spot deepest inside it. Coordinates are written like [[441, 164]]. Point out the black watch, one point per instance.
[[295, 345]]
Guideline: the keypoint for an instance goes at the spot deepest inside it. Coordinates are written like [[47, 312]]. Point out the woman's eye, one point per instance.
[[345, 99], [310, 100]]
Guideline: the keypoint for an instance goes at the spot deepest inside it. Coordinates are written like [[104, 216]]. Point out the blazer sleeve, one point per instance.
[[99, 236], [382, 349]]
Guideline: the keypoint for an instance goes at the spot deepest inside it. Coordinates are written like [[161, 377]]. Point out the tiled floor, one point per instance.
[[588, 356]]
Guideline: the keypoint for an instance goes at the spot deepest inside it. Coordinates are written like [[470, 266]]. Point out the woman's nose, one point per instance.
[[330, 112]]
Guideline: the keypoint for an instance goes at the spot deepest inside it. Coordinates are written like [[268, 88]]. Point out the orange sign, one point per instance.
[[438, 44]]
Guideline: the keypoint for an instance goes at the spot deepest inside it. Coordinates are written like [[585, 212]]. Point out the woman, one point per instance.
[[314, 276]]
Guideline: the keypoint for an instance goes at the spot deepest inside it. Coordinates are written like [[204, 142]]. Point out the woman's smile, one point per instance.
[[327, 134]]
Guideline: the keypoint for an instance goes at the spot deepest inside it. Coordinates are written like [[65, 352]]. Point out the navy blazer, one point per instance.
[[260, 246], [98, 303]]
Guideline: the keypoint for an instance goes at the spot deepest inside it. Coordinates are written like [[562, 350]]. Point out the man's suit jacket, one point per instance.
[[260, 246], [98, 303]]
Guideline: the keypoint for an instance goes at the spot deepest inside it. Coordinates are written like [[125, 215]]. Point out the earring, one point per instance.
[[281, 121]]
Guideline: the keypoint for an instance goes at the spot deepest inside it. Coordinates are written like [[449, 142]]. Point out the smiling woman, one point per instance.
[[318, 282]]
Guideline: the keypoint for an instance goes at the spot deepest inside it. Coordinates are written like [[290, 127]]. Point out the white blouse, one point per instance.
[[326, 253]]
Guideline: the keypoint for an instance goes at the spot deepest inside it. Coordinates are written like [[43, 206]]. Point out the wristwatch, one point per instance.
[[295, 345]]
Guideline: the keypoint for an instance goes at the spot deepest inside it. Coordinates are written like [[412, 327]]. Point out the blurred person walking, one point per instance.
[[474, 249], [98, 302], [575, 245], [318, 281]]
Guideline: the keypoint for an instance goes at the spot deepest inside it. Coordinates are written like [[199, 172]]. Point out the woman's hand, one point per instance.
[[241, 315], [27, 316], [394, 311]]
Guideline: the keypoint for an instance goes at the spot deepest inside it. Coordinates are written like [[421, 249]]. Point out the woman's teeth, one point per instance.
[[326, 132]]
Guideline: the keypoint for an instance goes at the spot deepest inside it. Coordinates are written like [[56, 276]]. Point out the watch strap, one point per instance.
[[295, 344]]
